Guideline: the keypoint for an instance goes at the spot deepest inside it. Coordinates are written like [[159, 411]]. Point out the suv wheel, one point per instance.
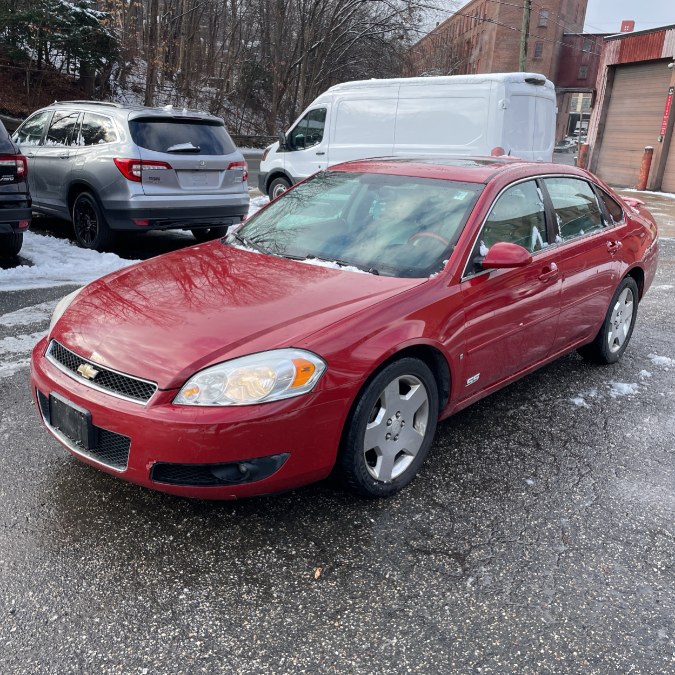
[[91, 229], [10, 244], [208, 233]]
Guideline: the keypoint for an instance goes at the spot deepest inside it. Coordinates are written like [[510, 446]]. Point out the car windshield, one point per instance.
[[391, 225]]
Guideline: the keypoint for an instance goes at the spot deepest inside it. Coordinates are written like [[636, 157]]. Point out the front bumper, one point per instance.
[[297, 438]]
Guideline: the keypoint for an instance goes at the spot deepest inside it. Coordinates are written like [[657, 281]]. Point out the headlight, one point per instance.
[[61, 306], [268, 376]]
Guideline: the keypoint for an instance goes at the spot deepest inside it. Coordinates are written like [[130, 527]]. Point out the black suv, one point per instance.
[[15, 204]]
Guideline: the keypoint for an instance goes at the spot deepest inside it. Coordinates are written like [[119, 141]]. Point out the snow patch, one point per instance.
[[662, 287], [617, 389], [58, 263], [661, 360], [670, 195], [580, 401], [29, 315], [644, 374]]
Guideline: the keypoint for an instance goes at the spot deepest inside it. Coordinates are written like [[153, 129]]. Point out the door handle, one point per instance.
[[30, 154], [613, 246], [63, 156], [549, 272], [320, 153]]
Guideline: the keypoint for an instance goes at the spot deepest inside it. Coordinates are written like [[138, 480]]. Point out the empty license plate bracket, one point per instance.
[[72, 421]]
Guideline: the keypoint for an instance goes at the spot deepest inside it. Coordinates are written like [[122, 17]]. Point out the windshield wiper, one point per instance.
[[184, 147], [337, 261], [248, 243]]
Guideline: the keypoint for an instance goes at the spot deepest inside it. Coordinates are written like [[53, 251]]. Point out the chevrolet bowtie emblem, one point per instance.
[[87, 371]]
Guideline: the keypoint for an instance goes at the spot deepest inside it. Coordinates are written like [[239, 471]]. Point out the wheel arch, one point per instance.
[[430, 356], [639, 276], [276, 173], [74, 190]]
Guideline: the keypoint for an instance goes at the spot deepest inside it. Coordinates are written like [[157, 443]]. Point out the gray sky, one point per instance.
[[605, 16]]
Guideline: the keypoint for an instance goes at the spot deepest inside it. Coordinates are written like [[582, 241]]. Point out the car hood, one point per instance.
[[166, 318]]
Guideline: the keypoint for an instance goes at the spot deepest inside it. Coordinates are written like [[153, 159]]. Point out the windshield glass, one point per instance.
[[390, 225]]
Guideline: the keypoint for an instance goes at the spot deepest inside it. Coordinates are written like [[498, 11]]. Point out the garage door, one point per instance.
[[668, 184], [633, 120]]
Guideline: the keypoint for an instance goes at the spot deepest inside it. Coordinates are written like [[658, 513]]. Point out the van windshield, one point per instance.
[[391, 225]]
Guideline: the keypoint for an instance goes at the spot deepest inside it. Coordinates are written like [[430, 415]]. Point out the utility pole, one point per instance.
[[525, 34]]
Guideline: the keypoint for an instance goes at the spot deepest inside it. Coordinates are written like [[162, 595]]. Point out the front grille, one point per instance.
[[112, 449], [116, 383]]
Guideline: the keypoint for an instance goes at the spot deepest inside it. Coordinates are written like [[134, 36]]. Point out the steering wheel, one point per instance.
[[431, 235]]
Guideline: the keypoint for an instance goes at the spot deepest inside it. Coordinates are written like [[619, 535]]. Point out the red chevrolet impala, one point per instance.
[[339, 324]]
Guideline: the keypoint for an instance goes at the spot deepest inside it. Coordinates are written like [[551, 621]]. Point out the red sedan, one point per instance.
[[340, 323]]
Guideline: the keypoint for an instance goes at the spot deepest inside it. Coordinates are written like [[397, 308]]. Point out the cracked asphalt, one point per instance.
[[539, 537]]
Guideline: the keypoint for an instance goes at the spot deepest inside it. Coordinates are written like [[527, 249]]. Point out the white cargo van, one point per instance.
[[465, 115]]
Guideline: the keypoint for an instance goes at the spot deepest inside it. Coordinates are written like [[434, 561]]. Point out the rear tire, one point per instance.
[[209, 233], [91, 229], [10, 244], [390, 430], [278, 186], [612, 340]]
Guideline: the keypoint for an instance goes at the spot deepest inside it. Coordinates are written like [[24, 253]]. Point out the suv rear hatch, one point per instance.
[[13, 168], [187, 155]]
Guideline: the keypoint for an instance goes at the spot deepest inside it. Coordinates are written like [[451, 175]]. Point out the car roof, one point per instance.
[[133, 111], [464, 169]]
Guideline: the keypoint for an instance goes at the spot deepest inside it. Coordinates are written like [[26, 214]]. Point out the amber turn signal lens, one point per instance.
[[304, 369]]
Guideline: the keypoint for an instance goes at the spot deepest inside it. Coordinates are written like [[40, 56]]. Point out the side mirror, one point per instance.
[[504, 255], [282, 140]]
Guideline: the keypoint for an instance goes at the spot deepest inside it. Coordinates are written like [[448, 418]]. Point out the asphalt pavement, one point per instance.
[[539, 537]]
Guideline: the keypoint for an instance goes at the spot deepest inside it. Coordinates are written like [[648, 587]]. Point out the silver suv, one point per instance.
[[108, 167]]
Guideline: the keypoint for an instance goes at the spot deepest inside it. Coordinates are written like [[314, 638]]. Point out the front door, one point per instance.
[[511, 314], [307, 145]]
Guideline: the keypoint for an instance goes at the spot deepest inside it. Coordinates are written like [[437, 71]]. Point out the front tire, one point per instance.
[[10, 244], [209, 233], [278, 186], [91, 229], [613, 338], [390, 430]]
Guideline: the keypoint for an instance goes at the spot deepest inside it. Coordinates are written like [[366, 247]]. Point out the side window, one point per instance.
[[613, 208], [61, 128], [96, 129], [516, 217], [30, 132], [308, 131], [576, 208]]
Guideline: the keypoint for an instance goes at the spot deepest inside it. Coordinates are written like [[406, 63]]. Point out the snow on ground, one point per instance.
[[661, 360], [670, 195], [662, 287], [57, 262], [617, 389], [29, 315]]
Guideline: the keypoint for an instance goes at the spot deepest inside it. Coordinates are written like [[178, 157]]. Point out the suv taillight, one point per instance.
[[236, 165], [16, 162], [132, 169]]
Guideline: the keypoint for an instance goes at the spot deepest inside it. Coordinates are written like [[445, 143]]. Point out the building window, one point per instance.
[[583, 72], [586, 101], [543, 18], [574, 103], [588, 46], [538, 49]]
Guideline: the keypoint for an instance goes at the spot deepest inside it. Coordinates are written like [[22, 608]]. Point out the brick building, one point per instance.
[[484, 37]]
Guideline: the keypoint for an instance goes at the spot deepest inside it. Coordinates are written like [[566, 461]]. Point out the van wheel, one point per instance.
[[10, 244], [278, 186], [208, 233], [91, 229], [390, 431]]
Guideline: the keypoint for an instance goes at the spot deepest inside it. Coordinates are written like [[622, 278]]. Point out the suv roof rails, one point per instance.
[[106, 103]]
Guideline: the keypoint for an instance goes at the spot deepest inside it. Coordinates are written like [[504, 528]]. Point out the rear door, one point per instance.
[[587, 244], [184, 156]]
